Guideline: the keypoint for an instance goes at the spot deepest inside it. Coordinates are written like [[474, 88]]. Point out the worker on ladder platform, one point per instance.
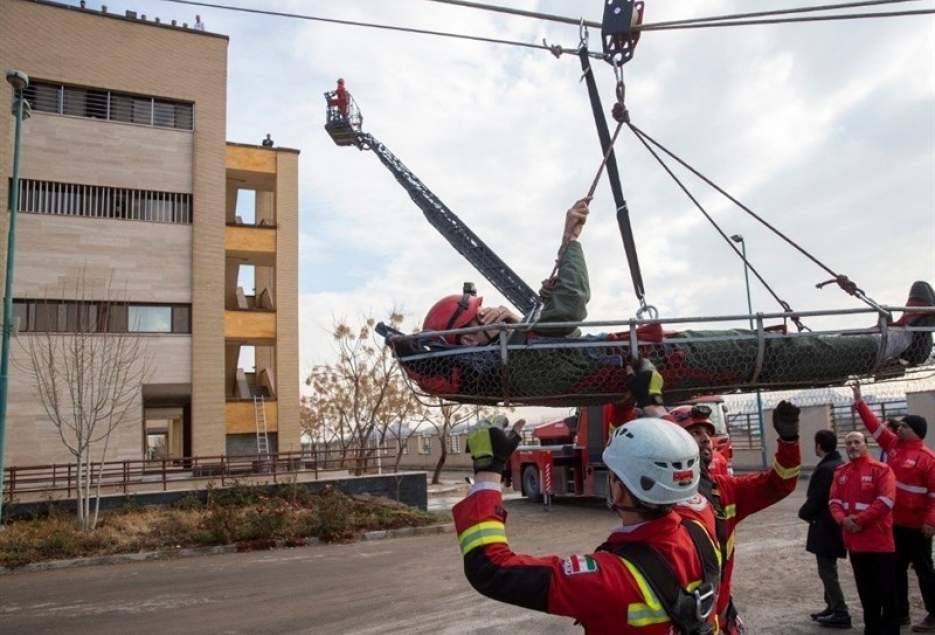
[[637, 581], [733, 498], [340, 99]]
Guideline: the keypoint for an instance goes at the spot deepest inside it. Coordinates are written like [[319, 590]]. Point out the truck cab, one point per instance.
[[566, 456]]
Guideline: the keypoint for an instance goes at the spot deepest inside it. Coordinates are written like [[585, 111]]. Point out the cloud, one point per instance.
[[827, 130]]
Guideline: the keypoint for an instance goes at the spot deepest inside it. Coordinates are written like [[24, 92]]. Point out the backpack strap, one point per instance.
[[688, 611], [708, 489]]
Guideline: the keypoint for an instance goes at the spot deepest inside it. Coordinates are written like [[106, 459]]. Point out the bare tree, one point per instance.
[[88, 371], [445, 417], [357, 398]]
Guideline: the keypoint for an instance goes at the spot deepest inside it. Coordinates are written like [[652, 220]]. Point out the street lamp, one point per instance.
[[737, 238], [19, 81]]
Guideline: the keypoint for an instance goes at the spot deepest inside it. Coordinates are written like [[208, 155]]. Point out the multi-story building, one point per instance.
[[128, 183]]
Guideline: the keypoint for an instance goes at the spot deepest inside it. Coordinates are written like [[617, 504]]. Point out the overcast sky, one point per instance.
[[826, 129]]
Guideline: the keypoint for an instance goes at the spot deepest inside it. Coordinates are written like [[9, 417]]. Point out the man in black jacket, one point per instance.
[[824, 535]]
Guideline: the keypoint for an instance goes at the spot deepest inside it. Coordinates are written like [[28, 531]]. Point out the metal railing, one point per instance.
[[159, 474], [844, 419], [744, 431]]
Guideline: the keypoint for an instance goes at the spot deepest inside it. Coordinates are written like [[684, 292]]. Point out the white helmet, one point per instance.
[[656, 460]]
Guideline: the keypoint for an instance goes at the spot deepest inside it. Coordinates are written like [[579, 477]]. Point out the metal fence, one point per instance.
[[844, 419], [154, 475], [744, 431]]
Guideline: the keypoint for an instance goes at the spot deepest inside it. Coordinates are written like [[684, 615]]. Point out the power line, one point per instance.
[[373, 25]]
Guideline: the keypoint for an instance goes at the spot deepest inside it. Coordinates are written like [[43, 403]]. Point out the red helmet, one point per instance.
[[690, 416], [452, 312]]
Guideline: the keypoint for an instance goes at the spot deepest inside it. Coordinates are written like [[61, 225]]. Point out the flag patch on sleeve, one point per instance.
[[576, 564]]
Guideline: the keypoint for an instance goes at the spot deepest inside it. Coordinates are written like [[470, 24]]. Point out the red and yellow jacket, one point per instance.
[[914, 467], [865, 488], [736, 497], [601, 590]]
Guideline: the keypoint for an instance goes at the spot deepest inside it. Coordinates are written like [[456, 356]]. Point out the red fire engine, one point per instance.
[[567, 462]]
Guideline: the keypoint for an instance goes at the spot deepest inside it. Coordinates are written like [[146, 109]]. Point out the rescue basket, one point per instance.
[[522, 368]]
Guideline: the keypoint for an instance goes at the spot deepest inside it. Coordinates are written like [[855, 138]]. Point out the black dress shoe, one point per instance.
[[835, 620], [824, 613]]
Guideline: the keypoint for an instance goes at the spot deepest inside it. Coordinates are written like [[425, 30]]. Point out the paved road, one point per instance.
[[407, 585]]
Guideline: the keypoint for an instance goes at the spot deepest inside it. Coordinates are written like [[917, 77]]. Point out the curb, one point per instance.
[[217, 550]]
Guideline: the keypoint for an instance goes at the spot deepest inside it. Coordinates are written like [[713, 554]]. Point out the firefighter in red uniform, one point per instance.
[[340, 98], [913, 465], [736, 497], [657, 574], [861, 501]]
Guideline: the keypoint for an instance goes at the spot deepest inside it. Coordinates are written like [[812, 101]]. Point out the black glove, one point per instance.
[[646, 385], [491, 448], [786, 421]]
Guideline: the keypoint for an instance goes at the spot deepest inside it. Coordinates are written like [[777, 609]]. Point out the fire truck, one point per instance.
[[567, 460]]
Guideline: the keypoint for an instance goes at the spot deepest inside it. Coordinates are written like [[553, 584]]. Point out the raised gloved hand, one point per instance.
[[491, 447], [646, 385], [786, 421]]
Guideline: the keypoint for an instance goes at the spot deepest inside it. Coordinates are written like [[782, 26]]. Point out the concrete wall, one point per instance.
[[407, 487], [811, 420], [923, 404], [143, 262], [86, 48], [31, 437], [96, 152]]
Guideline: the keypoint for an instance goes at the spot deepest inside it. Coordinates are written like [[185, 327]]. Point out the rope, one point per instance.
[[597, 177], [761, 14], [548, 17], [845, 283], [815, 18], [785, 305], [373, 25]]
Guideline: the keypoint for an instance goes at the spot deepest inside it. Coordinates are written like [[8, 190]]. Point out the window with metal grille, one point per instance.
[[98, 201], [99, 103]]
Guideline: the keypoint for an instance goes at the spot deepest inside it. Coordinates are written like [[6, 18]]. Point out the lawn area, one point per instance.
[[248, 517]]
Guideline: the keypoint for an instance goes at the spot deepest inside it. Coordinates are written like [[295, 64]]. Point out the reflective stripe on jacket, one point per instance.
[[914, 468], [865, 489], [602, 591]]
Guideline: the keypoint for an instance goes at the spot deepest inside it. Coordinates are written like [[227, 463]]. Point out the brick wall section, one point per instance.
[[287, 298], [96, 152], [82, 47]]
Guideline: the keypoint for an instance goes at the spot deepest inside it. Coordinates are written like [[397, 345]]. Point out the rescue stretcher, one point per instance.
[[520, 368]]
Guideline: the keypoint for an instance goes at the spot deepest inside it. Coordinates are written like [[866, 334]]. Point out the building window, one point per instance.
[[70, 316], [425, 445], [403, 446], [95, 201], [149, 319], [454, 444], [98, 103]]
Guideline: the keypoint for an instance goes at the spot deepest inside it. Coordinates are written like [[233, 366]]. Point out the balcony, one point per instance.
[[250, 326], [240, 417], [254, 243]]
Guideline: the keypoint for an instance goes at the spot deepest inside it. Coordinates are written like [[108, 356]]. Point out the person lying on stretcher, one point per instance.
[[566, 297]]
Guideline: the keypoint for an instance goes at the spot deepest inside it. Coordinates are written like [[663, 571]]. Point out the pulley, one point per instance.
[[617, 32]]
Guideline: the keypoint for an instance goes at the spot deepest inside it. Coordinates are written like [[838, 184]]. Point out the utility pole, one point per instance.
[[19, 81], [737, 238]]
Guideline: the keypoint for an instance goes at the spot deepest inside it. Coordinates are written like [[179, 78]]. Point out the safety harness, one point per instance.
[[688, 611]]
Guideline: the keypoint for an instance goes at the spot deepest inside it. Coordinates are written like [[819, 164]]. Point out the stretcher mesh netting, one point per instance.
[[594, 369]]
